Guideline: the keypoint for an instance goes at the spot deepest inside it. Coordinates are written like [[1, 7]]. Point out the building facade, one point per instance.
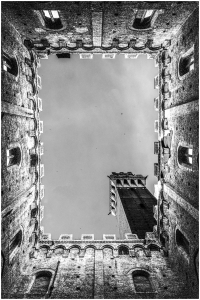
[[159, 261], [132, 204]]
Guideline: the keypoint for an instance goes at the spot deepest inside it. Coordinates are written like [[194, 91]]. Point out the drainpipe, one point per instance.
[[48, 295]]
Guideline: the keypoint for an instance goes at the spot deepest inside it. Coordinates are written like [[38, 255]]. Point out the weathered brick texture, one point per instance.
[[94, 269]]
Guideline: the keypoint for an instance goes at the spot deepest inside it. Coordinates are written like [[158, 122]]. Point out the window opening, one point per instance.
[[10, 65], [34, 160], [41, 284], [185, 155], [123, 250], [16, 241], [143, 19], [186, 63], [182, 242], [13, 156], [33, 212], [52, 19], [141, 282]]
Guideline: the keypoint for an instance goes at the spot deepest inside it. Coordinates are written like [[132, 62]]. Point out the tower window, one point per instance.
[[34, 160], [13, 156], [185, 156], [16, 242], [119, 182], [123, 250], [141, 282], [186, 63], [143, 19], [33, 212], [41, 284], [182, 242], [10, 64], [52, 19]]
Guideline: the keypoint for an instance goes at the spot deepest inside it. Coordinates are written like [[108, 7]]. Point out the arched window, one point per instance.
[[143, 19], [182, 242], [118, 182], [41, 284], [186, 63], [10, 64], [34, 160], [16, 242], [34, 212], [52, 19], [13, 156], [185, 156], [123, 250], [141, 282]]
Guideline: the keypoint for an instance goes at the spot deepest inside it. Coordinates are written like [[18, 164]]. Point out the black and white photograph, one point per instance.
[[100, 150]]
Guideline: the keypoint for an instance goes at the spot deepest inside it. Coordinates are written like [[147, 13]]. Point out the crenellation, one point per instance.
[[163, 254]]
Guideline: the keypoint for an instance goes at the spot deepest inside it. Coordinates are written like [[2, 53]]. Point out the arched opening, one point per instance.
[[143, 19], [185, 155], [34, 160], [126, 183], [118, 182], [123, 250], [182, 242], [16, 242], [41, 284], [13, 156], [34, 212], [186, 63], [52, 19], [10, 64], [141, 281]]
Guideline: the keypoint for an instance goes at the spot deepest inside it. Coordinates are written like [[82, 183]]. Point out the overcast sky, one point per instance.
[[98, 118]]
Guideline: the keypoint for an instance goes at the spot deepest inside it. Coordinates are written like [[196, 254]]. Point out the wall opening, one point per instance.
[[182, 242]]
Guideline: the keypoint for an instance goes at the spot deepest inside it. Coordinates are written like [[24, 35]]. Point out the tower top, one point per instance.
[[127, 175]]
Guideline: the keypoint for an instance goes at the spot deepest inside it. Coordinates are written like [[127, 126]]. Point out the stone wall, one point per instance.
[[20, 182], [95, 269], [98, 27], [179, 110]]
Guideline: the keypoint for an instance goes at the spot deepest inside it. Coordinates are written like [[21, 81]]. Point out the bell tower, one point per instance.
[[132, 204]]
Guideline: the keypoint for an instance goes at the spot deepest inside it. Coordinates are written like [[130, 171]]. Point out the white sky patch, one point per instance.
[[99, 118]]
